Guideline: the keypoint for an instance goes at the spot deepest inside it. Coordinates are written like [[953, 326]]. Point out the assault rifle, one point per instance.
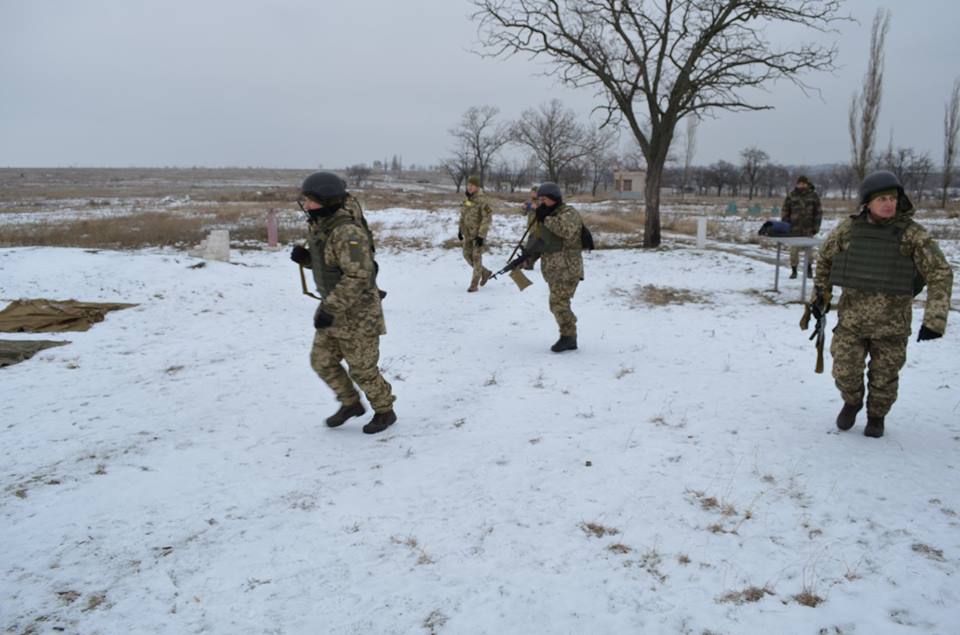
[[513, 262], [818, 309]]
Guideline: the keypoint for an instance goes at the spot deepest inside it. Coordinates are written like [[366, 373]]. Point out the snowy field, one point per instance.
[[169, 470]]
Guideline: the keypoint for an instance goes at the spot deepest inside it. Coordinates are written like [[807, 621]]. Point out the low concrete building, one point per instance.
[[629, 183]]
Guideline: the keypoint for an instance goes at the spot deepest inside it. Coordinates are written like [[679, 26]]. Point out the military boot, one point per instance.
[[793, 273], [485, 276], [848, 415], [380, 422], [565, 343], [874, 427], [340, 416]]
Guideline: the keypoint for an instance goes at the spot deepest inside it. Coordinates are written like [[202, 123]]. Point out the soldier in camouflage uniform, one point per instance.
[[349, 320], [555, 239], [802, 210], [878, 257], [475, 217]]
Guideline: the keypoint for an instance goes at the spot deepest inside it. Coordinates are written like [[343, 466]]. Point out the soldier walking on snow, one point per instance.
[[555, 238], [880, 258], [802, 210], [475, 217], [349, 320]]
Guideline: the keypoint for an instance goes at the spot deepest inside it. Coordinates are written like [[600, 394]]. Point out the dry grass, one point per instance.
[[747, 595], [652, 295], [808, 598], [597, 530]]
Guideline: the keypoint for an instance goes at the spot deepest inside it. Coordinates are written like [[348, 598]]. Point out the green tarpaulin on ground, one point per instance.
[[54, 316], [15, 351]]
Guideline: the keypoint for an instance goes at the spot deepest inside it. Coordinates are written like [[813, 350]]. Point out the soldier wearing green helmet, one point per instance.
[[880, 258], [475, 218]]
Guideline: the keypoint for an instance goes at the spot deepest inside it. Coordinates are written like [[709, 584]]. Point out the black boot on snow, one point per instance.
[[340, 416], [793, 273], [565, 343], [848, 415], [874, 427], [380, 422]]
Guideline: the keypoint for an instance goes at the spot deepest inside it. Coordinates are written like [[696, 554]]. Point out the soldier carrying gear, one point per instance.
[[880, 258], [802, 210], [475, 218], [349, 320], [555, 238]]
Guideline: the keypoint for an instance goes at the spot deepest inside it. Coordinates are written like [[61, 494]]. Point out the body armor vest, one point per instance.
[[325, 277], [873, 261]]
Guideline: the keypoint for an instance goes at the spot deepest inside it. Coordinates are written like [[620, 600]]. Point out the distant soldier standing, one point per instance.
[[555, 237], [802, 210], [349, 320], [878, 257], [475, 218]]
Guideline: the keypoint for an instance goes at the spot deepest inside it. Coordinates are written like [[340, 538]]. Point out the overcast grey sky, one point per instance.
[[301, 83]]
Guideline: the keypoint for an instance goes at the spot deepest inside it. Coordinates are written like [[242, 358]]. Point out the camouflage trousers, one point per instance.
[[795, 256], [887, 356], [561, 292], [361, 353], [474, 257]]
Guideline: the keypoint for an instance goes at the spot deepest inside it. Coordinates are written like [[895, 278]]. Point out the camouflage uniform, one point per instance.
[[802, 210], [341, 259], [475, 218], [877, 323], [561, 261]]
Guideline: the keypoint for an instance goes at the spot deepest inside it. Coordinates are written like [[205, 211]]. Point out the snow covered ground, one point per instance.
[[169, 470]]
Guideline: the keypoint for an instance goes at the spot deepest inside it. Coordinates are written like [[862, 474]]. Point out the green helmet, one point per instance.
[[323, 187], [879, 181]]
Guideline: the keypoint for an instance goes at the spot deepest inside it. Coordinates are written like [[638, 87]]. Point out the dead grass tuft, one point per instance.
[[808, 598], [651, 295], [598, 531], [928, 551], [749, 594], [619, 548]]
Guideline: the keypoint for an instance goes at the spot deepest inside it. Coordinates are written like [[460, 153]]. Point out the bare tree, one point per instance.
[[865, 106], [553, 135], [600, 157], [358, 173], [723, 174], [844, 178], [459, 166], [773, 178], [951, 125], [753, 161], [655, 63], [483, 137], [689, 151]]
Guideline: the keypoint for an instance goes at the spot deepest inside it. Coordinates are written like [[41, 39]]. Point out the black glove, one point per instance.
[[478, 241], [927, 334], [300, 255], [322, 319], [543, 211], [459, 235]]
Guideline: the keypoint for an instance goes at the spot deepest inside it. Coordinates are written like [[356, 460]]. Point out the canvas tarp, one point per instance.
[[15, 351], [54, 316]]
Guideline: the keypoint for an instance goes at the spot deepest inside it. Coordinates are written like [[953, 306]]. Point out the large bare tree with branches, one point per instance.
[[865, 105], [553, 135], [754, 160], [481, 136], [657, 62], [951, 125]]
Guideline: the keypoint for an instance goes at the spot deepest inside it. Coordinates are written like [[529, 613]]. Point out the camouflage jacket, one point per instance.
[[475, 216], [875, 314], [802, 210], [567, 263], [338, 243]]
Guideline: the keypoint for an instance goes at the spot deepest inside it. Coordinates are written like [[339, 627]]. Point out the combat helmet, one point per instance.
[[882, 181], [324, 187]]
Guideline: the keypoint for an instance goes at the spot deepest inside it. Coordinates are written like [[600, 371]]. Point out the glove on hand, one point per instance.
[[322, 319], [927, 334], [478, 241], [543, 211], [820, 305], [300, 255]]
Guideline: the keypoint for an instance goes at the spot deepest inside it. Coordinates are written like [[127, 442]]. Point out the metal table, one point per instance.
[[807, 243]]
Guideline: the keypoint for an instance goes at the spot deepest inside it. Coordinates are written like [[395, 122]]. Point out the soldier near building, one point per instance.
[[349, 320], [802, 210], [475, 218], [555, 239], [880, 258]]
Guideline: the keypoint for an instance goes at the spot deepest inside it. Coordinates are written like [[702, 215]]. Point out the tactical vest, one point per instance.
[[552, 243], [326, 278], [873, 261]]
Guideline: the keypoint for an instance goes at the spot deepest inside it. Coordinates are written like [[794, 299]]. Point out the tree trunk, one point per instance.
[[651, 225]]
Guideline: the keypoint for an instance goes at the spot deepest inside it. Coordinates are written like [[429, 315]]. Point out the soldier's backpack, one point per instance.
[[586, 238]]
